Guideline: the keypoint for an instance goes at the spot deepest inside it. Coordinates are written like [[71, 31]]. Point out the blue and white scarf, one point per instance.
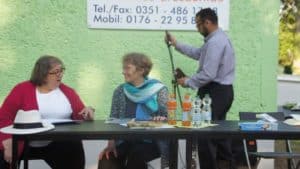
[[145, 96]]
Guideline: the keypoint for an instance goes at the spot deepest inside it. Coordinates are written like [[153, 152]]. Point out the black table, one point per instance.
[[95, 130], [99, 130]]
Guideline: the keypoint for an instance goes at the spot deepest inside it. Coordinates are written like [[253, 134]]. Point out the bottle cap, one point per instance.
[[172, 95], [186, 96]]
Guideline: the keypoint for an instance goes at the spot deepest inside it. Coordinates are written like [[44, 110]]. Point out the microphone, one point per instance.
[[168, 38]]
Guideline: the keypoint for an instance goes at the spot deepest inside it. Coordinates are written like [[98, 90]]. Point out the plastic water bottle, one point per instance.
[[206, 110], [206, 113], [186, 113], [196, 113], [172, 107], [206, 100]]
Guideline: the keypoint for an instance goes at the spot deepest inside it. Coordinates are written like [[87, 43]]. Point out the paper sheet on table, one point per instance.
[[164, 126], [179, 125], [147, 125], [295, 116], [62, 121], [117, 121], [292, 122]]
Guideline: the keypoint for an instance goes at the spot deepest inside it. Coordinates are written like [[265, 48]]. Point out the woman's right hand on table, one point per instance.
[[7, 144], [110, 148]]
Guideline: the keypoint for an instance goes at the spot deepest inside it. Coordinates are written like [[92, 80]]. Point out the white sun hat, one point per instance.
[[27, 122]]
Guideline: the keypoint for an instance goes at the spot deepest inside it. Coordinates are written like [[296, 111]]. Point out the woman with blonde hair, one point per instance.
[[142, 98]]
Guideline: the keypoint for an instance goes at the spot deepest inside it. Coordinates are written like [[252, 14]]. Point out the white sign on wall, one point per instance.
[[152, 14]]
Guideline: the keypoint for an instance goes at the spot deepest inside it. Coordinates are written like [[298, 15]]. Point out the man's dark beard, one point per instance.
[[205, 32]]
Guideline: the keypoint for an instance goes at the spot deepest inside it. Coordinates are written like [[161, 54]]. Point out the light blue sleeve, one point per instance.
[[210, 66], [188, 50]]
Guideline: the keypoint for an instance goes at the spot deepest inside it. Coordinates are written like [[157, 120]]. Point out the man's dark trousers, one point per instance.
[[211, 149]]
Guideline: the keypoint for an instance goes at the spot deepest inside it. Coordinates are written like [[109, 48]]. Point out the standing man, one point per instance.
[[215, 77]]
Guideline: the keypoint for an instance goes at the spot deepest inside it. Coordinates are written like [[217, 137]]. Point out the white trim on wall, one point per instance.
[[291, 78], [288, 89]]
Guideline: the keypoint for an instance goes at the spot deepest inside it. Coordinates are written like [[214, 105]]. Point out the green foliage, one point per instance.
[[286, 44], [289, 33]]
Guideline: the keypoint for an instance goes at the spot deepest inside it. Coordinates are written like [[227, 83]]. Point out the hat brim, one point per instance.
[[11, 130]]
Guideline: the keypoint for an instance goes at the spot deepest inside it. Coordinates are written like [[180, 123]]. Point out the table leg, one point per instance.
[[14, 163], [189, 149], [25, 154], [173, 154]]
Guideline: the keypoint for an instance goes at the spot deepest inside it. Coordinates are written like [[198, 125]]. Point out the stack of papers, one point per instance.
[[266, 117]]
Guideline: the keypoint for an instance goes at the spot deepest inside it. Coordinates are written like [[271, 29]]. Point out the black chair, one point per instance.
[[25, 157], [289, 155]]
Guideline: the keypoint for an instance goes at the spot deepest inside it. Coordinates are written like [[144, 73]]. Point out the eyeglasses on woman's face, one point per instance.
[[57, 71]]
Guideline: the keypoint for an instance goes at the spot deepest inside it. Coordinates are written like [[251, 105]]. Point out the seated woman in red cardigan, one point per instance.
[[46, 93]]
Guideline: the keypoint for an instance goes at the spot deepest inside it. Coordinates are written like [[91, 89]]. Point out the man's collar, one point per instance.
[[211, 34]]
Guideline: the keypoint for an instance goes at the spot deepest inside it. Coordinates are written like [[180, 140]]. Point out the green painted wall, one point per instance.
[[31, 28]]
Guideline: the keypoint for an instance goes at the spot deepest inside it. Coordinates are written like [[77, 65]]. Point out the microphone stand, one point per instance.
[[176, 87], [174, 79]]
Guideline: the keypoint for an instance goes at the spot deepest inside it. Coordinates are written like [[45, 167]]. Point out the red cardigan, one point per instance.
[[23, 97]]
